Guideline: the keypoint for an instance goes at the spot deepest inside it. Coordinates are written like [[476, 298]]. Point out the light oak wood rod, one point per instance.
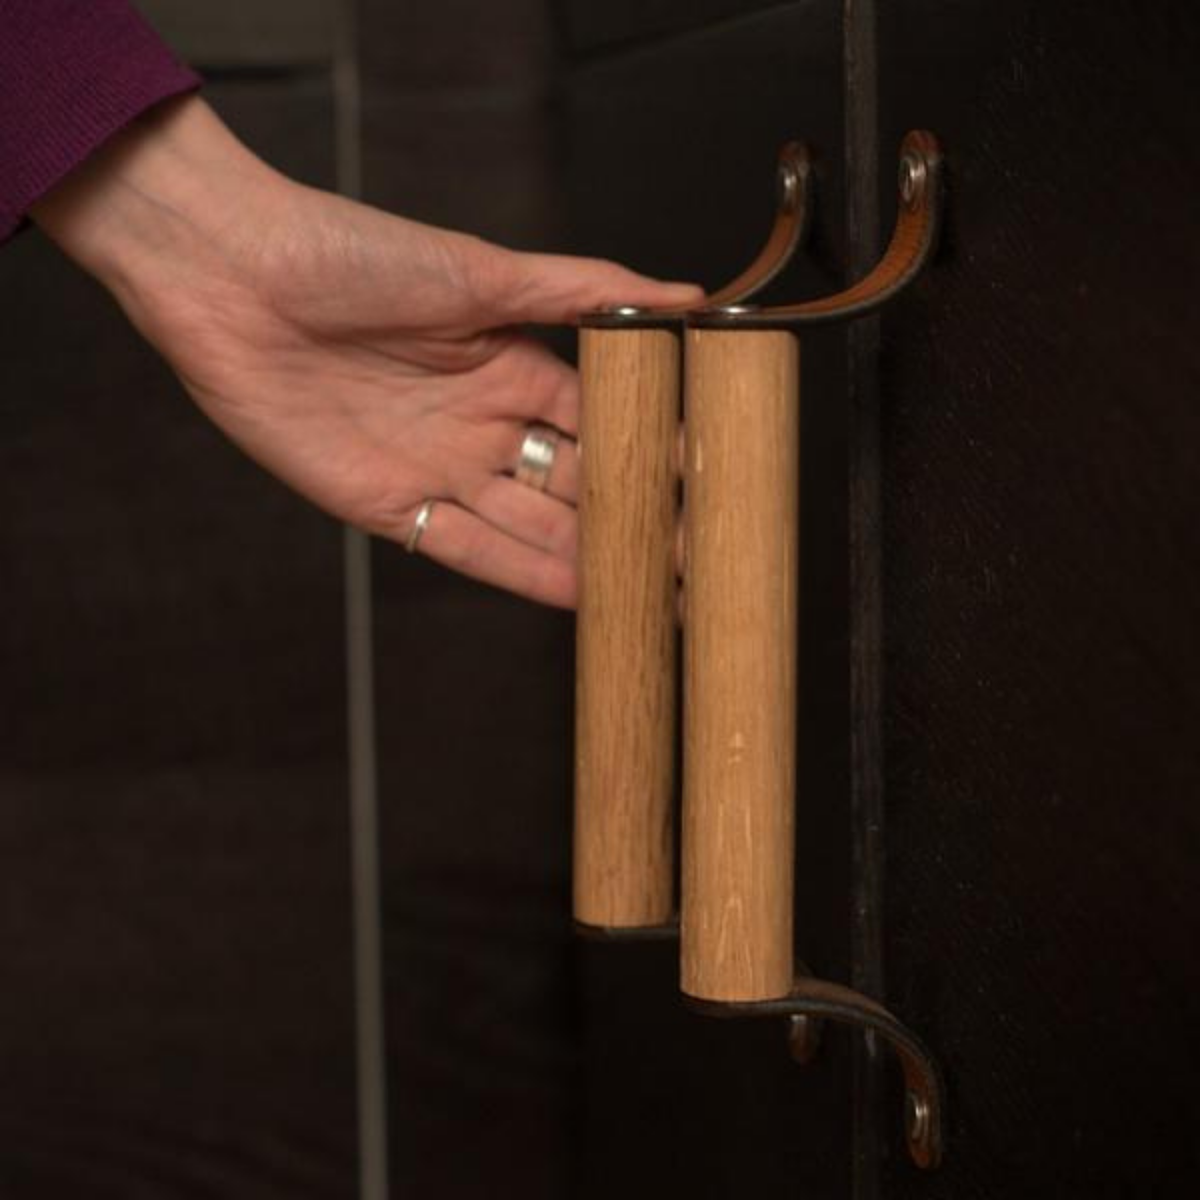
[[740, 513], [626, 639]]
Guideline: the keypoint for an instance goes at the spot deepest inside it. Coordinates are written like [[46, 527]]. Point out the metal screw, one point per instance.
[[916, 1117], [789, 186], [913, 173]]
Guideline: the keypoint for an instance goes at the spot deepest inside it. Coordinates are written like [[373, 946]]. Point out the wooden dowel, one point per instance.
[[626, 642], [741, 511]]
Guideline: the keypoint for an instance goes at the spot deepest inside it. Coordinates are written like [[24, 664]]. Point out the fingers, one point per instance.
[[555, 289], [522, 512], [563, 480], [465, 542], [560, 406], [550, 389], [544, 393]]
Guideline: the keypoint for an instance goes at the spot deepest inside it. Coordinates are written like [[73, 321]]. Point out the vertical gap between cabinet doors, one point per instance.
[[860, 81]]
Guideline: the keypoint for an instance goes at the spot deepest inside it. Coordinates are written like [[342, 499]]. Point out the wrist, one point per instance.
[[175, 194]]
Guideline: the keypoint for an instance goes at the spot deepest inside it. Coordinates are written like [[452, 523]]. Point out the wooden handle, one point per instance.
[[626, 637], [741, 514]]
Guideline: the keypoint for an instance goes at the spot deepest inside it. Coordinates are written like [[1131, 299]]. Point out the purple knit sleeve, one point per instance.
[[72, 73]]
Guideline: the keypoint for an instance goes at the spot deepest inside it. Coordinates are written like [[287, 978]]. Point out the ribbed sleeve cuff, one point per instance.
[[72, 73]]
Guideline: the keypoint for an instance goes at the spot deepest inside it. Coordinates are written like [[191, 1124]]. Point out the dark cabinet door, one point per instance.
[[1038, 409]]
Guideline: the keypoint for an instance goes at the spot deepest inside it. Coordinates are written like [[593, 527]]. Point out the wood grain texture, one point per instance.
[[741, 516], [626, 658]]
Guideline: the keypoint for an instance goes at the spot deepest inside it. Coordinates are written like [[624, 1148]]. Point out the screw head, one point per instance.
[[913, 174], [788, 185], [916, 1117]]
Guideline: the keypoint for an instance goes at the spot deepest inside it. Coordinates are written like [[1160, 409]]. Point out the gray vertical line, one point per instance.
[[866, 589], [360, 714]]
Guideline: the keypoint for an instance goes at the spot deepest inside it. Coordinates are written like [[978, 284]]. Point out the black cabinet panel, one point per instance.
[[462, 47], [589, 27], [475, 775], [671, 148], [473, 686], [481, 164], [246, 33], [1042, 586]]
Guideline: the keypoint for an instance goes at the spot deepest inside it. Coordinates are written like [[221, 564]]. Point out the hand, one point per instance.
[[368, 361]]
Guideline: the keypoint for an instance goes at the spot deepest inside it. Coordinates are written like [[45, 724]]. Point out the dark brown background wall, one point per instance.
[[175, 1015]]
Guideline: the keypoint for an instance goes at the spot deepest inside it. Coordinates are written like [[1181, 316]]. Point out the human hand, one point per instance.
[[369, 361]]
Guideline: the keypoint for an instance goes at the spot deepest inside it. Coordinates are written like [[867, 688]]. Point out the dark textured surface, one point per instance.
[[480, 163], [473, 686], [246, 33], [175, 1013], [475, 777], [456, 48], [868, 812], [458, 116], [671, 146], [175, 1004], [1042, 589], [588, 27]]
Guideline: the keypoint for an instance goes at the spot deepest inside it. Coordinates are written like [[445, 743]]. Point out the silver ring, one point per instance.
[[419, 525], [537, 457]]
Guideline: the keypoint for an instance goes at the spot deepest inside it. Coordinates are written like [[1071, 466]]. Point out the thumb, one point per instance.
[[553, 289]]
